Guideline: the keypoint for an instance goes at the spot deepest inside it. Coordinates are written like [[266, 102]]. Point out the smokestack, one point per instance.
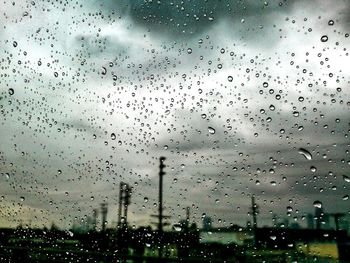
[[104, 211]]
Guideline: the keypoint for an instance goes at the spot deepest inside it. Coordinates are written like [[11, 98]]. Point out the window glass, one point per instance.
[[197, 130]]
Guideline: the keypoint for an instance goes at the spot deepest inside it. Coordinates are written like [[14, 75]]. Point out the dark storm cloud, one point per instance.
[[78, 124], [193, 17]]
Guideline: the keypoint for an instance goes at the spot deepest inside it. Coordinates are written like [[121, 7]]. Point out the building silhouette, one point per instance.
[[207, 223]]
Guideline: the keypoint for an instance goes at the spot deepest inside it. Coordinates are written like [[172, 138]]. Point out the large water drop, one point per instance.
[[305, 153]]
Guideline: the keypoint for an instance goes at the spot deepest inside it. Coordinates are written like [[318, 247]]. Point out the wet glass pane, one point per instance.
[[174, 131]]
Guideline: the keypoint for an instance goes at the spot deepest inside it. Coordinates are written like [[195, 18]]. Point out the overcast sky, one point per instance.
[[94, 92]]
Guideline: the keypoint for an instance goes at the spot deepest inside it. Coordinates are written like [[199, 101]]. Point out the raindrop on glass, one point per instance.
[[346, 178], [295, 113], [317, 204], [324, 38], [211, 130], [305, 153], [104, 71]]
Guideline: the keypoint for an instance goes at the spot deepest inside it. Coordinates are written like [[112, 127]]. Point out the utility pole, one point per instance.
[[124, 202], [160, 204], [120, 204], [255, 211]]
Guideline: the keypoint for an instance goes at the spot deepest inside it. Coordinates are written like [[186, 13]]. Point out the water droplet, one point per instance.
[[211, 130], [305, 153], [113, 136], [313, 169], [317, 204], [145, 199], [189, 50], [296, 113], [346, 178], [346, 197], [273, 237], [330, 22], [177, 227], [11, 91], [324, 38], [15, 44], [92, 198], [22, 199], [203, 115], [104, 71], [230, 78]]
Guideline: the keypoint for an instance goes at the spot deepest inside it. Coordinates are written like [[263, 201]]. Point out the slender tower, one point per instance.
[[127, 195]]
